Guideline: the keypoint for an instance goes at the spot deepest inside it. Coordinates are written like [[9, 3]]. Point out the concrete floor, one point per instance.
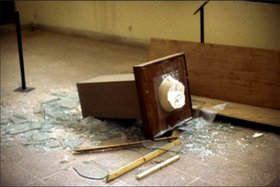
[[54, 61]]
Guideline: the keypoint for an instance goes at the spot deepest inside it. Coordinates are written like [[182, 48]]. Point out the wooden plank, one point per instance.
[[240, 111], [148, 77], [158, 167], [134, 164], [121, 145], [237, 74]]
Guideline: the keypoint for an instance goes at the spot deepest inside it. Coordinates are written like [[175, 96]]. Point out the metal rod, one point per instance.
[[17, 20], [201, 10], [202, 25], [200, 7]]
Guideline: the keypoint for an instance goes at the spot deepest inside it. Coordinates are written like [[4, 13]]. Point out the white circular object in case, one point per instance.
[[171, 94]]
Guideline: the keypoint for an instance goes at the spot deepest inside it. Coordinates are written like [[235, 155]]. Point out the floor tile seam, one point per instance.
[[238, 163], [29, 184], [60, 171], [220, 168], [48, 176], [183, 173], [194, 180], [28, 172], [121, 180], [232, 160], [42, 178], [25, 157], [201, 181], [9, 160], [22, 160]]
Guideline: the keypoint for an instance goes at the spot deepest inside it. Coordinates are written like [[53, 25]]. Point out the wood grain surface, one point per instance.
[[239, 74]]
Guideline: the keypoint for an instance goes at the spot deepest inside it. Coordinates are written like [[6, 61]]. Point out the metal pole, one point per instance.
[[201, 11], [23, 87], [20, 54], [202, 25]]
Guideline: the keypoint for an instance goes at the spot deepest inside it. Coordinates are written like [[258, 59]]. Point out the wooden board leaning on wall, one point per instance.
[[238, 74], [247, 78]]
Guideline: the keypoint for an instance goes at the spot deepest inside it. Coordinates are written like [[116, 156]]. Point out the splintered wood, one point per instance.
[[134, 164]]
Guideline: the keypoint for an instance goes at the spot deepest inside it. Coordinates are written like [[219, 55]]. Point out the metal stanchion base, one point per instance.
[[27, 89]]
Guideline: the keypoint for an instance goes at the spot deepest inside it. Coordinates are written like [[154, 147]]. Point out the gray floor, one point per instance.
[[54, 61]]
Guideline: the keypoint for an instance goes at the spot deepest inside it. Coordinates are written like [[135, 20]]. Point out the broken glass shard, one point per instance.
[[205, 138], [69, 103], [53, 144], [50, 100], [46, 126], [4, 121], [91, 170], [71, 141], [37, 108], [41, 136], [18, 118], [57, 113], [60, 93], [24, 127]]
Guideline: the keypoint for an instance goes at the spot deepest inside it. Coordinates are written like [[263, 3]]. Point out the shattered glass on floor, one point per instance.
[[205, 139], [56, 124]]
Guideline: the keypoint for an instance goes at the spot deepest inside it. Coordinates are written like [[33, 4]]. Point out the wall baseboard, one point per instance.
[[92, 35]]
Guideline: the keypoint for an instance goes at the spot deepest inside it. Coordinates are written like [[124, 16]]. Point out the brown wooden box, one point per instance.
[[109, 96]]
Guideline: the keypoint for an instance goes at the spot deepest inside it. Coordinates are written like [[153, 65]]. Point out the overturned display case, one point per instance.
[[163, 93], [158, 94]]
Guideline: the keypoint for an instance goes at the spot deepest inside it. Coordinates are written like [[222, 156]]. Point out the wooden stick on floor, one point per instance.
[[121, 145], [158, 167], [134, 164], [112, 146]]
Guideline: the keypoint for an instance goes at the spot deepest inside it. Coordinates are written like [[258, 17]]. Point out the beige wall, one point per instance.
[[232, 23]]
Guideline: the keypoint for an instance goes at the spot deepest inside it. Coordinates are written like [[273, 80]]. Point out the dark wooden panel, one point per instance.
[[148, 78], [238, 74]]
